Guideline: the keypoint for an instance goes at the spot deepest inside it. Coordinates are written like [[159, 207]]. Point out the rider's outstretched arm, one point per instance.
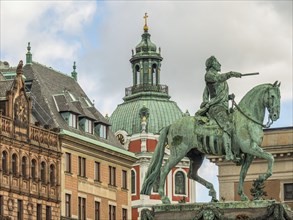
[[221, 77]]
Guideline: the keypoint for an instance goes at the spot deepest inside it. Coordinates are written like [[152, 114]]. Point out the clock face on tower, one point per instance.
[[120, 137]]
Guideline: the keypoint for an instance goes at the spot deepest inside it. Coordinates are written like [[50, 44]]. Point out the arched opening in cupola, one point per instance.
[[154, 74]]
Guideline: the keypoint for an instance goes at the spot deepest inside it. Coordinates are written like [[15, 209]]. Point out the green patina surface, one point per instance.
[[217, 130], [221, 205], [98, 143], [254, 210], [162, 113]]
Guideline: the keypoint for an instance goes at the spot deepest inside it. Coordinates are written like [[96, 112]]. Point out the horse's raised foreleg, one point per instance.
[[258, 152], [170, 163], [244, 168], [196, 161], [255, 150]]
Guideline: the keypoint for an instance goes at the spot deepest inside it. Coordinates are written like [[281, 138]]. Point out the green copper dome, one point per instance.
[[161, 112], [145, 45], [147, 106]]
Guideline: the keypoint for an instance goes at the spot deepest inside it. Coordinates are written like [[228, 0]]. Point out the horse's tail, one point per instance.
[[155, 164]]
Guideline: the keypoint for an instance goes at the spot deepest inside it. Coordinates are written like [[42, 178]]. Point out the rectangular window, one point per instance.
[[88, 126], [19, 209], [3, 107], [72, 122], [67, 162], [101, 130], [39, 212], [48, 213], [70, 118], [97, 172], [124, 179], [133, 182], [81, 208], [112, 212], [67, 205], [97, 210], [112, 176], [124, 214], [81, 166], [288, 191]]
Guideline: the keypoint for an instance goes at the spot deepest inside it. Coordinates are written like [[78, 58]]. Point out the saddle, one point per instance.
[[210, 136]]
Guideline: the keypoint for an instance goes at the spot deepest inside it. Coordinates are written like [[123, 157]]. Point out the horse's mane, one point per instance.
[[251, 94]]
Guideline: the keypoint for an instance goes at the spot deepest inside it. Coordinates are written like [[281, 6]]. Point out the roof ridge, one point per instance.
[[51, 68]]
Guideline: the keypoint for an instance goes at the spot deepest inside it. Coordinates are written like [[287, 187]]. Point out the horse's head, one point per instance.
[[272, 101]]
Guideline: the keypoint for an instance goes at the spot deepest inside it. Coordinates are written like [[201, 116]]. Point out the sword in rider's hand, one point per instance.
[[249, 74]]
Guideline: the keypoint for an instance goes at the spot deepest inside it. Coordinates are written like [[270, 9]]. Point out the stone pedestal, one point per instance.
[[251, 210]]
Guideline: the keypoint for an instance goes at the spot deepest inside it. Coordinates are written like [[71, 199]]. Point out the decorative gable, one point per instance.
[[19, 102]]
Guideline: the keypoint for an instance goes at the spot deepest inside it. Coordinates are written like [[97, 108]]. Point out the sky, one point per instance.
[[245, 36]]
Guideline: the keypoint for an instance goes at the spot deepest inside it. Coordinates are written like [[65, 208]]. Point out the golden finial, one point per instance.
[[145, 27]]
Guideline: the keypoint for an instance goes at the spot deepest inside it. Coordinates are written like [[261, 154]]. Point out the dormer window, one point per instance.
[[86, 125], [70, 118], [101, 130]]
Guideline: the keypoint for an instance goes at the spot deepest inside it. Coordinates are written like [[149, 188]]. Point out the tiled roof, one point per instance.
[[162, 112], [53, 92], [5, 86]]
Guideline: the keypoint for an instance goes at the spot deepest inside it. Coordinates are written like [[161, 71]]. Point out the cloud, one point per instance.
[[245, 36], [53, 28]]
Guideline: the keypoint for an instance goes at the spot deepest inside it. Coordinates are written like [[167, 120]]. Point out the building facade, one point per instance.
[[94, 170], [278, 142], [30, 156], [137, 122]]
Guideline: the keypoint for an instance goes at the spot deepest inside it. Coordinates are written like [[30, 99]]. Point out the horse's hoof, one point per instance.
[[244, 198], [166, 200]]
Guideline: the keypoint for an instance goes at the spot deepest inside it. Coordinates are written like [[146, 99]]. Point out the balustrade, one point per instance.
[[43, 136], [6, 125], [146, 88]]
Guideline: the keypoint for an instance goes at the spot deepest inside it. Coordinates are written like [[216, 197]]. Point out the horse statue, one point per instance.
[[191, 136]]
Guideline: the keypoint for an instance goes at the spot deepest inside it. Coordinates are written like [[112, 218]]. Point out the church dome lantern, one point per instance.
[[146, 48], [147, 92]]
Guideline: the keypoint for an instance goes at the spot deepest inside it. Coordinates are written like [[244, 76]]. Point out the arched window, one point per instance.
[[52, 174], [4, 162], [43, 172], [33, 169], [14, 164], [23, 167], [154, 74], [133, 182], [180, 183], [137, 75]]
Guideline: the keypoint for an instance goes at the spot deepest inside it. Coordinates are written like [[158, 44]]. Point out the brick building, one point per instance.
[[94, 180], [30, 156]]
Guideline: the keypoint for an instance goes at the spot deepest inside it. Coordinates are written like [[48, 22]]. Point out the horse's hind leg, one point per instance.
[[244, 168], [170, 163], [196, 161]]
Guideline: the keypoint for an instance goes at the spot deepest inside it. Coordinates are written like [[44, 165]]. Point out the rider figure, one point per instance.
[[215, 100]]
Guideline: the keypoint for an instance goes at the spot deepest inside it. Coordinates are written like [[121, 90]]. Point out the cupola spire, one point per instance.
[[145, 27], [74, 73], [28, 54]]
